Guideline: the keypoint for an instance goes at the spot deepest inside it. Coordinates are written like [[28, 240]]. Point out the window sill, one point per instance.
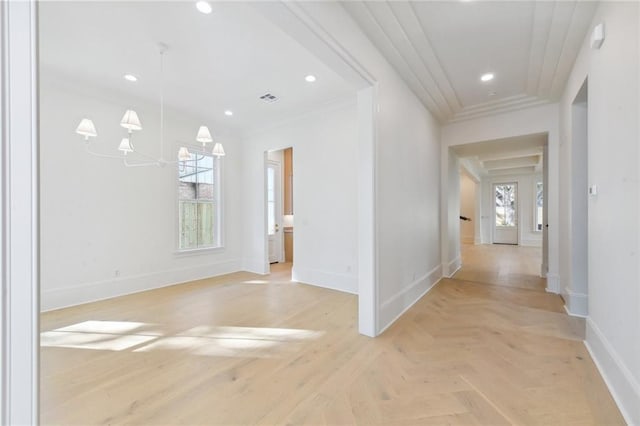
[[198, 251]]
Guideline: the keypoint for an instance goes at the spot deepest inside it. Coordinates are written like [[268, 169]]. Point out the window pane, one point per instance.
[[205, 225], [505, 205], [187, 179], [271, 201], [188, 225]]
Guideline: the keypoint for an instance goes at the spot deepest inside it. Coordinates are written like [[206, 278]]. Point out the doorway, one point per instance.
[[575, 293], [279, 206], [505, 229]]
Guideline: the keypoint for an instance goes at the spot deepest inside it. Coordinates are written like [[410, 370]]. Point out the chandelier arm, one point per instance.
[[99, 155], [149, 157], [143, 164]]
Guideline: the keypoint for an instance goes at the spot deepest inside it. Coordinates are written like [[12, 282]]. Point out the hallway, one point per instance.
[[504, 265]]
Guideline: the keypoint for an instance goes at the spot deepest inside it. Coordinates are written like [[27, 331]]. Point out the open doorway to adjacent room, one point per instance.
[[279, 209], [502, 192]]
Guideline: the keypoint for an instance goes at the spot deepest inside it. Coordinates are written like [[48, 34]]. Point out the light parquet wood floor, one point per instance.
[[247, 349]]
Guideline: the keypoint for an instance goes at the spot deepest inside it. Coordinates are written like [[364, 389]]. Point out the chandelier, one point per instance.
[[131, 122]]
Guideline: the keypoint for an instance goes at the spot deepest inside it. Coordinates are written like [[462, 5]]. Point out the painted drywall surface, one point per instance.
[[407, 172], [407, 196], [527, 236], [324, 193], [108, 229], [613, 325], [541, 119], [453, 216], [467, 208]]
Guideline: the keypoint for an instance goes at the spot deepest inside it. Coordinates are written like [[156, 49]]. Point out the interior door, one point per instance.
[[274, 211], [505, 229]]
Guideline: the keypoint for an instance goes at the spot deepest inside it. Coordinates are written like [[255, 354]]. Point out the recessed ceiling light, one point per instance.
[[204, 7], [130, 77], [487, 77], [228, 113], [310, 78]]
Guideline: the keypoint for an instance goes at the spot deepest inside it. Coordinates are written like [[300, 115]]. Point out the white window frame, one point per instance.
[[219, 226]]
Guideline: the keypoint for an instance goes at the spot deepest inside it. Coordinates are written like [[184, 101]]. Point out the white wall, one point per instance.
[[467, 208], [542, 119], [613, 324], [527, 236], [325, 147], [99, 217], [406, 163]]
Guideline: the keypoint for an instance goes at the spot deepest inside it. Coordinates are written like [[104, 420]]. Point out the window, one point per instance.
[[199, 202], [538, 206], [271, 200]]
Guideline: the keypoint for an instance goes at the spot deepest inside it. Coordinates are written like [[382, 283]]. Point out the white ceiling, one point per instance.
[[224, 60], [441, 48], [509, 156]]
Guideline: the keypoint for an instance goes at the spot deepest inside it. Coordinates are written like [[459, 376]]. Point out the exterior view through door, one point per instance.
[[505, 229]]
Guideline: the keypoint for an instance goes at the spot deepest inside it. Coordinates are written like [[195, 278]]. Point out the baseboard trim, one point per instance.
[[553, 283], [571, 314], [395, 307], [65, 297], [342, 282], [453, 267], [576, 304], [624, 389], [255, 266]]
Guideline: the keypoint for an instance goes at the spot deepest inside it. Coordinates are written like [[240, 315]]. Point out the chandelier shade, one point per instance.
[[130, 121], [184, 154], [204, 135], [86, 129], [218, 150], [125, 146]]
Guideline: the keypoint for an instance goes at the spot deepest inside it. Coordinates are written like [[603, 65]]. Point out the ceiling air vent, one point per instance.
[[269, 98]]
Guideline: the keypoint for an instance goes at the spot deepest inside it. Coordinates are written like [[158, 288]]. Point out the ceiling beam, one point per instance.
[[511, 163], [506, 153], [518, 171]]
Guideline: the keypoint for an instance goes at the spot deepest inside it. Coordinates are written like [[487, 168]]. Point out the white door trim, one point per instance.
[[19, 252]]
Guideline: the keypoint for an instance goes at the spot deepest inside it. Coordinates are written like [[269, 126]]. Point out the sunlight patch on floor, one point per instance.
[[253, 342], [233, 341], [98, 341], [255, 282]]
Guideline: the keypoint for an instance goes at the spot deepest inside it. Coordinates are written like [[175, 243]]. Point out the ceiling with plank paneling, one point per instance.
[[442, 48]]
